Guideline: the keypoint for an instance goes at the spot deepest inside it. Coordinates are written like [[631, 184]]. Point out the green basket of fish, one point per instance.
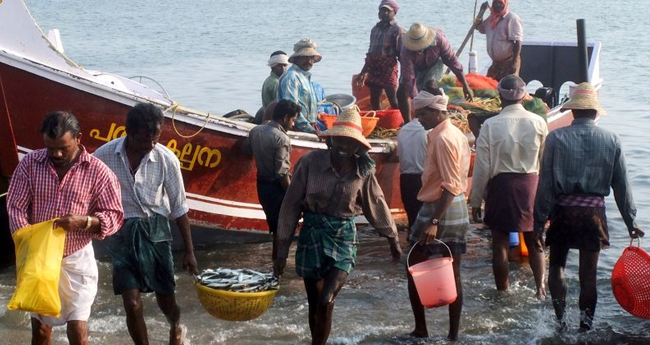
[[236, 295]]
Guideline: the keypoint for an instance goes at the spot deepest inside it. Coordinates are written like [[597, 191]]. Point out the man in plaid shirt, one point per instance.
[[152, 193], [64, 181]]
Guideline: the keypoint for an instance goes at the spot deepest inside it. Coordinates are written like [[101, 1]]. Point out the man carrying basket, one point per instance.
[[581, 163]]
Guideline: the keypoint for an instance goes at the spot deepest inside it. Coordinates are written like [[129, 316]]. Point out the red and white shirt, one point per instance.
[[88, 188]]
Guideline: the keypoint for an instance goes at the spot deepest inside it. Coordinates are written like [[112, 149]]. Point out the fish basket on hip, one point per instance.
[[631, 281], [234, 305]]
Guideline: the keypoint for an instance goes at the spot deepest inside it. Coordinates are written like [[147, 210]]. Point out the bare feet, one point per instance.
[[177, 335], [419, 334], [541, 293]]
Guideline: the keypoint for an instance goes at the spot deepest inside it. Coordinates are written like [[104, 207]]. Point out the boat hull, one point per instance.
[[219, 179]]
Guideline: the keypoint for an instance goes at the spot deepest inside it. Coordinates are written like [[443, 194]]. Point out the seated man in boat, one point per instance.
[[278, 63], [64, 181], [152, 193], [504, 33], [506, 169], [328, 190], [443, 215], [423, 55], [379, 72], [271, 147], [581, 164], [295, 84]]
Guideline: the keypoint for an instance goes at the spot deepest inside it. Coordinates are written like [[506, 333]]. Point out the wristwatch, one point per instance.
[[435, 221]]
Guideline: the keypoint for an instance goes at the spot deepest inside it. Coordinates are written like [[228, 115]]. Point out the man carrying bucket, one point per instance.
[[443, 215], [581, 163], [508, 153]]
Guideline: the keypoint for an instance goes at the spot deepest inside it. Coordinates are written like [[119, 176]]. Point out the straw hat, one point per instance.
[[419, 37], [348, 124], [305, 47], [584, 97]]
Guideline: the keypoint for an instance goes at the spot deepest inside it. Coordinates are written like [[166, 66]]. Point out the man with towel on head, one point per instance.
[[278, 63], [581, 163], [504, 33], [423, 55], [443, 215], [379, 72], [295, 84], [508, 153]]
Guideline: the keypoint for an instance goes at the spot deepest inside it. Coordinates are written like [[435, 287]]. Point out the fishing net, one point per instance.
[[631, 281]]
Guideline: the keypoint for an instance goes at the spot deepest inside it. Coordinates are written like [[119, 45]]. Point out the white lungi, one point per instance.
[[77, 287]]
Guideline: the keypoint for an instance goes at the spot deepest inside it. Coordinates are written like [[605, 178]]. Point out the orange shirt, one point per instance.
[[446, 164]]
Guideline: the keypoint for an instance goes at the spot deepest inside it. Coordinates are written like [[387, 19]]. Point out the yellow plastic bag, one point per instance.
[[39, 251]]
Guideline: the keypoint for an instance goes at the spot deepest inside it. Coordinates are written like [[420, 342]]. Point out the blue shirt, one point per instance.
[[583, 159], [295, 85]]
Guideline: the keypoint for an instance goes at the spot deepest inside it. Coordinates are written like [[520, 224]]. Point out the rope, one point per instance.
[[3, 195], [175, 107]]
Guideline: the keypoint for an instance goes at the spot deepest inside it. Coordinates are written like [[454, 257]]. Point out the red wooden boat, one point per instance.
[[35, 77]]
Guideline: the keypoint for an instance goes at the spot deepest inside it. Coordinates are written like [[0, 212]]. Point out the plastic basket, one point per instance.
[[631, 281], [368, 121], [234, 306], [390, 118]]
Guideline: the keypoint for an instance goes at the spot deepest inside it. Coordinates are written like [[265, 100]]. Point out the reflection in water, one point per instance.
[[371, 309]]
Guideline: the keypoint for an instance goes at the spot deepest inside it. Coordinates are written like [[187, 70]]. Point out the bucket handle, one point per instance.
[[408, 265], [335, 106], [638, 241]]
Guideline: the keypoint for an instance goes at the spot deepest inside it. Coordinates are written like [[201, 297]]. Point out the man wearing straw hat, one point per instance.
[[379, 71], [581, 163], [508, 153], [422, 56], [504, 33], [329, 188], [295, 84], [443, 215]]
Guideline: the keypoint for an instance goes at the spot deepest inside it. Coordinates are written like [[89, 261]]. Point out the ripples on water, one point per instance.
[[211, 55]]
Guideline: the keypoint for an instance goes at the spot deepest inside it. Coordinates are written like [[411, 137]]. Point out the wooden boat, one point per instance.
[[36, 77]]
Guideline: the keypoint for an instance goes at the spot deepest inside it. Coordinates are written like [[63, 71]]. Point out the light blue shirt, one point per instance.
[[156, 187], [295, 85], [412, 147]]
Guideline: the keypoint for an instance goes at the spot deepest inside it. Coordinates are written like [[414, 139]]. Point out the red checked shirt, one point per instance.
[[88, 188]]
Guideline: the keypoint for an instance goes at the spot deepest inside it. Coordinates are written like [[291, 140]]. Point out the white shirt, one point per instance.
[[412, 147], [511, 142], [156, 187]]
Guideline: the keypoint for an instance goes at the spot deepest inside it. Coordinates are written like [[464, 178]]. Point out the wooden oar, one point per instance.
[[484, 6]]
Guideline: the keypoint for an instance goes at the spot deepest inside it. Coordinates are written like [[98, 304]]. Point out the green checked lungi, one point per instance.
[[325, 242]]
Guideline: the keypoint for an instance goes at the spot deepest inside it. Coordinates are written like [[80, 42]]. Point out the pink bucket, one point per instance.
[[434, 280]]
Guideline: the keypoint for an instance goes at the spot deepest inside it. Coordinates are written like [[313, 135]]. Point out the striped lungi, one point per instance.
[[325, 242], [581, 227], [452, 227]]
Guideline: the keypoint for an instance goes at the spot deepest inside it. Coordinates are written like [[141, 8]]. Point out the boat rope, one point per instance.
[[3, 195], [176, 107]]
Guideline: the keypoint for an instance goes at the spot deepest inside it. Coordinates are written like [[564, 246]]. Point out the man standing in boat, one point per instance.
[[271, 147], [423, 55], [443, 215], [504, 32], [295, 84], [581, 163], [64, 181], [379, 72], [508, 153], [278, 63], [152, 193]]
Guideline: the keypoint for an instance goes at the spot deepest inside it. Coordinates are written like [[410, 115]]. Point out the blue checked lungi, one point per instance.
[[452, 228]]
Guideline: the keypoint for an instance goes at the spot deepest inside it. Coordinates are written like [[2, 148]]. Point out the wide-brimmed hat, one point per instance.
[[419, 37], [584, 97], [305, 47], [348, 124]]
